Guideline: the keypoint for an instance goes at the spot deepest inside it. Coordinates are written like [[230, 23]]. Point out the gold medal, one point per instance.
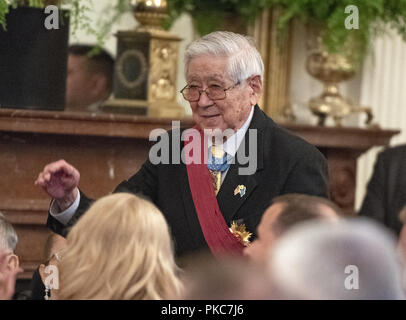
[[238, 230]]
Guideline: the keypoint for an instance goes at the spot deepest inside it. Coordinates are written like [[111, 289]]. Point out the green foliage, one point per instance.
[[208, 15], [3, 11], [36, 3], [329, 15]]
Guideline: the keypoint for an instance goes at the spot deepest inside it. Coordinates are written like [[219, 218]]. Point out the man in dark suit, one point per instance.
[[386, 192], [200, 200]]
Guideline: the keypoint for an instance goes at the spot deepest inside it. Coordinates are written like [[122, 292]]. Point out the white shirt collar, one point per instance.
[[233, 143]]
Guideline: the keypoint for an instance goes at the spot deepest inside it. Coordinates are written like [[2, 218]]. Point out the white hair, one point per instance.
[[244, 60], [316, 260], [8, 236]]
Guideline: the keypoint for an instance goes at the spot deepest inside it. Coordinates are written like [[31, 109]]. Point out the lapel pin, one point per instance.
[[240, 189]]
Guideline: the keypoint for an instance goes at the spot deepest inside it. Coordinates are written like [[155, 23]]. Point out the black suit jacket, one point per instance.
[[285, 164], [386, 191]]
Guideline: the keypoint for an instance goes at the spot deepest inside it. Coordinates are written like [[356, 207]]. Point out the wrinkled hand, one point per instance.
[[7, 277], [60, 180]]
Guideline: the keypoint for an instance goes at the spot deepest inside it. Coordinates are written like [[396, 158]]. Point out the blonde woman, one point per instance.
[[121, 249]]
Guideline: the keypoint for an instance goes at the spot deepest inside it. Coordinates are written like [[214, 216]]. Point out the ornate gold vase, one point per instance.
[[149, 13], [331, 69]]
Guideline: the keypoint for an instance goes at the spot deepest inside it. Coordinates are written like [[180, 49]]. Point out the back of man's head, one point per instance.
[[299, 208], [285, 212], [8, 236], [97, 62], [230, 278], [351, 259]]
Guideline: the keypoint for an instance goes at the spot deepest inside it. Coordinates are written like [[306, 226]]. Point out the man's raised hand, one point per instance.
[[60, 180]]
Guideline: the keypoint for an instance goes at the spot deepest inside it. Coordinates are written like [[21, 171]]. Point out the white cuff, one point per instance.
[[64, 216]]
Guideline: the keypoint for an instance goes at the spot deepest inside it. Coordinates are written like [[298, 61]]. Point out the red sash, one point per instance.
[[215, 230]]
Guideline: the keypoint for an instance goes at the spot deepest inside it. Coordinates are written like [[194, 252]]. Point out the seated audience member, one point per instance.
[[386, 194], [231, 278], [120, 249], [89, 79], [9, 262], [52, 251], [351, 259], [285, 212]]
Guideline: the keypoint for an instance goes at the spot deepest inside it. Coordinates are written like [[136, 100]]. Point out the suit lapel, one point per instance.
[[228, 202]]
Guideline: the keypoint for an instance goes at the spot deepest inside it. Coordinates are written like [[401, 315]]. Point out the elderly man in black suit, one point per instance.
[[386, 191], [204, 200]]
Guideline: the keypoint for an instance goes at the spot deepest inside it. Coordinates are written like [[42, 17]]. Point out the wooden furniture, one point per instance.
[[108, 148], [342, 147]]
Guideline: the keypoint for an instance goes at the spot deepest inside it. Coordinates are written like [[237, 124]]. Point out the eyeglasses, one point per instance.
[[192, 93]]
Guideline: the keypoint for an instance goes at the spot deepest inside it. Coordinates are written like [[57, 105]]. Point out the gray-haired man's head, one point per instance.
[[350, 259], [8, 236]]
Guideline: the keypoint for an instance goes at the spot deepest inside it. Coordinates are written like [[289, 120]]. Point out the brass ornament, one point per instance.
[[149, 13], [163, 71], [147, 66], [240, 232], [331, 69]]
